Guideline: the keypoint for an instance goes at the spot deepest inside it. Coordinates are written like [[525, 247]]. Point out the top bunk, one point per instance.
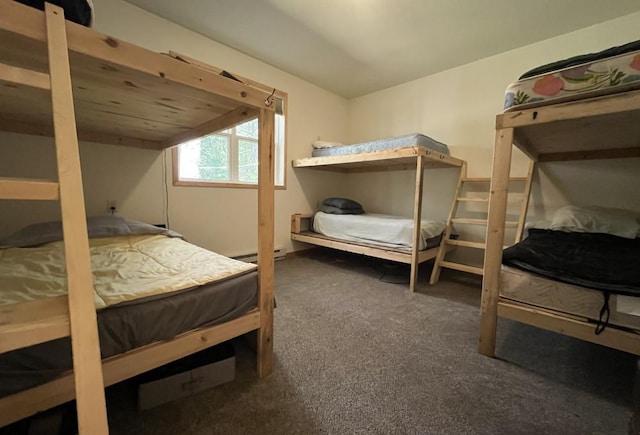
[[396, 153], [123, 94], [585, 107]]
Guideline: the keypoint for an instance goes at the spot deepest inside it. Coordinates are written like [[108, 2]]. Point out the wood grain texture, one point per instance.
[[92, 413]]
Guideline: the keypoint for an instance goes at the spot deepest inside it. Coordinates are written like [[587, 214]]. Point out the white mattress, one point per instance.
[[532, 289], [381, 229]]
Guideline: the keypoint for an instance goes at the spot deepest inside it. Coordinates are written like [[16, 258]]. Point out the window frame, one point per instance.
[[175, 157]]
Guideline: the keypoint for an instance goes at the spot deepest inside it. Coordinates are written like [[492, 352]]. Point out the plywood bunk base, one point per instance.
[[400, 256], [120, 367]]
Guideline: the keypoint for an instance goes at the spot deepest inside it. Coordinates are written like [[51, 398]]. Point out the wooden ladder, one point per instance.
[[479, 197], [74, 315]]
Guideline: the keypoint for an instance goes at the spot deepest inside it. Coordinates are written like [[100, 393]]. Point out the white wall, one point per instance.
[[458, 107], [222, 219]]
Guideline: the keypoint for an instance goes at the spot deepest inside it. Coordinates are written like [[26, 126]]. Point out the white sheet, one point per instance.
[[381, 229]]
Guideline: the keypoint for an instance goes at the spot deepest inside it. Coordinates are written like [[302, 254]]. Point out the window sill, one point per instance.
[[185, 183]]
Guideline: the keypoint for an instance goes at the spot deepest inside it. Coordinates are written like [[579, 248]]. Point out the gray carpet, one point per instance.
[[357, 355]]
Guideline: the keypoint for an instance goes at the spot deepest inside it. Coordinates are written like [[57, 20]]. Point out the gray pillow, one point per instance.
[[343, 203], [335, 210]]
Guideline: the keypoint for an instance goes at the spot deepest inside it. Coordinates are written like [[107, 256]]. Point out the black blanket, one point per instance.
[[598, 261]]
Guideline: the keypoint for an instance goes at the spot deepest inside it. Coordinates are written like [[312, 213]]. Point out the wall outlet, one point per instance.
[[112, 206]]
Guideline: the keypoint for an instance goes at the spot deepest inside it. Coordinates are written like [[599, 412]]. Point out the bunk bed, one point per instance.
[[123, 95], [402, 153], [584, 108]]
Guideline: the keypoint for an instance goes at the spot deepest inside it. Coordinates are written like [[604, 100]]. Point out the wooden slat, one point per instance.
[[30, 189], [472, 199], [400, 157], [266, 212], [417, 219], [606, 105], [228, 120], [92, 415], [461, 267], [276, 93], [615, 153], [22, 76], [124, 366], [470, 221], [498, 195], [33, 322], [465, 243], [610, 337]]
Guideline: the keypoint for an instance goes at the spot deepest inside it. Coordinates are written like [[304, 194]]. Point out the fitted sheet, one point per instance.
[[593, 77], [410, 140], [124, 268], [374, 228]]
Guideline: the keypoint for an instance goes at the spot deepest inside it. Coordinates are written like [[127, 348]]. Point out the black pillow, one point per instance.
[[343, 203], [335, 210]]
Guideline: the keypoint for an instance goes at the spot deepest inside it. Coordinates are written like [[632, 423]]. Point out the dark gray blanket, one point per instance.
[[598, 261], [97, 227]]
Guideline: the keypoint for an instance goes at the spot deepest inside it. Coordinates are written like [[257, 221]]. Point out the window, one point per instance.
[[228, 157]]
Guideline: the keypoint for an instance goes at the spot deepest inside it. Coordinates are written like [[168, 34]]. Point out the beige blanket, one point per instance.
[[124, 269]]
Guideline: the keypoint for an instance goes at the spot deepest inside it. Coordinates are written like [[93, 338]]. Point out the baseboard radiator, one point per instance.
[[278, 254]]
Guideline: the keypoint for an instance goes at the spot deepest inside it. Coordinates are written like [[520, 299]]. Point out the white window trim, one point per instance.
[[280, 158]]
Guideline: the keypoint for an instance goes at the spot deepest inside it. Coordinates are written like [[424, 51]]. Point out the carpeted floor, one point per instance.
[[357, 355]]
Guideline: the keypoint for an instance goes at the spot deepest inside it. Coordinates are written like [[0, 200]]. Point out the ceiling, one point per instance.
[[354, 47]]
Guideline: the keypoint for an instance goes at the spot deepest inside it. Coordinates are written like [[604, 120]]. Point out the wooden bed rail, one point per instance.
[[124, 366]]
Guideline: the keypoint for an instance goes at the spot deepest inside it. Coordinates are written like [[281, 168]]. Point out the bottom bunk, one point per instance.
[[394, 245], [158, 297], [579, 277]]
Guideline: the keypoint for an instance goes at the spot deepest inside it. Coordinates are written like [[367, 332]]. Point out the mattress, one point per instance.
[[378, 229], [410, 140], [611, 71], [149, 285], [532, 289], [127, 326]]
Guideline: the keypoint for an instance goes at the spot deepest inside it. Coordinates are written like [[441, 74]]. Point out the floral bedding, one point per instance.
[[606, 76]]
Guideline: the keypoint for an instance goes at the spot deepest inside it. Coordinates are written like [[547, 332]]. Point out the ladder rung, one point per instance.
[[466, 243], [476, 180], [469, 221], [486, 180], [461, 267], [29, 323], [27, 77], [485, 199], [23, 188], [472, 199], [509, 224]]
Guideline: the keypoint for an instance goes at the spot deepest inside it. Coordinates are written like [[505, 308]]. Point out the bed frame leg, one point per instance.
[[417, 218], [495, 240]]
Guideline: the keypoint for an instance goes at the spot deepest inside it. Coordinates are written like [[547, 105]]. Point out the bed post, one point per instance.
[[495, 239], [265, 240], [417, 218]]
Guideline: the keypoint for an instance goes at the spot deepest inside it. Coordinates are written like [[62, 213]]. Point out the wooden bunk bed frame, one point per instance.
[[124, 95], [418, 158], [596, 128]]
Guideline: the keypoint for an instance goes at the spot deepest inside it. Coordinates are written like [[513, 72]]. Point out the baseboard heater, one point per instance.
[[278, 254]]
